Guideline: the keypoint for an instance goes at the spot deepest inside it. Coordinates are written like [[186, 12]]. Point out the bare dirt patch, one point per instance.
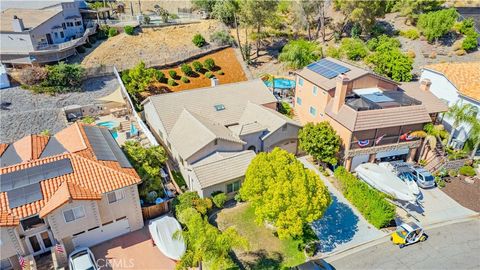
[[466, 194], [154, 46]]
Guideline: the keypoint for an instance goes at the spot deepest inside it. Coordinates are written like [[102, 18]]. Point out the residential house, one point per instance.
[[75, 188], [373, 115], [213, 133], [42, 35], [456, 82]]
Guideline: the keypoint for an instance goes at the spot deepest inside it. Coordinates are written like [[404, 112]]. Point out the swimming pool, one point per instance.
[[109, 124], [281, 83]]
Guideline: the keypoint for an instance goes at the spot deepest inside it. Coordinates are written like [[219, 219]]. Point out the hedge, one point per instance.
[[371, 203]]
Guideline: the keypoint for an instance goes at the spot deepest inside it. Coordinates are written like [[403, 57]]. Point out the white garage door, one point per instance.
[[101, 234], [289, 146], [359, 159]]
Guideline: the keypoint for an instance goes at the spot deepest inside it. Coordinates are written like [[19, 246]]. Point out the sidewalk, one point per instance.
[[342, 226]]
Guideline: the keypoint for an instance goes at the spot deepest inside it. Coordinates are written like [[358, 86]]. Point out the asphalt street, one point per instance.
[[452, 246]]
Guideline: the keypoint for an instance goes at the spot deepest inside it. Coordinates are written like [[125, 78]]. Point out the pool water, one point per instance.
[[281, 83], [108, 124]]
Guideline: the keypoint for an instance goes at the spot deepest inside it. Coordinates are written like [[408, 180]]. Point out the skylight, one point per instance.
[[219, 107]]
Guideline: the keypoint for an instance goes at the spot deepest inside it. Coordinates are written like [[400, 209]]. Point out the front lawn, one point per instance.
[[266, 250]]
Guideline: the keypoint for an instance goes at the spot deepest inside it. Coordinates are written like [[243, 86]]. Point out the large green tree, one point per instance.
[[460, 113], [364, 13], [139, 78], [206, 5], [320, 141], [284, 193], [299, 53], [434, 25], [206, 244], [413, 8]]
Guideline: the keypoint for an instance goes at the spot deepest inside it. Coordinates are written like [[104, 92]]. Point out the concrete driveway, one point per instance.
[[435, 207], [342, 226], [134, 250]]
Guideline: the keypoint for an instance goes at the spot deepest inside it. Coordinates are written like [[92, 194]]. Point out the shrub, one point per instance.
[[411, 54], [186, 69], [128, 29], [32, 75], [208, 74], [333, 52], [88, 119], [112, 32], [410, 34], [392, 63], [172, 73], [172, 82], [222, 37], [198, 40], [299, 53], [353, 48], [63, 76], [138, 78], [197, 66], [80, 49], [209, 64], [146, 20], [191, 199], [220, 72], [466, 26], [383, 43], [460, 52], [470, 42], [285, 109], [452, 173], [370, 202], [467, 171], [436, 24], [440, 182], [219, 200], [185, 79]]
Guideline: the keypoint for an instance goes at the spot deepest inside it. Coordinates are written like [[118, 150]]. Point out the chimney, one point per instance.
[[340, 92], [425, 84], [214, 81], [17, 24]]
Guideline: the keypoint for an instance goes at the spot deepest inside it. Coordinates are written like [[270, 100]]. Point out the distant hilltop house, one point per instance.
[[455, 82], [213, 133], [37, 34], [75, 188], [373, 115]]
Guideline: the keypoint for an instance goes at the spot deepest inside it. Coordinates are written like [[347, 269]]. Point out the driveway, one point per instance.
[[342, 226], [452, 246], [134, 250]]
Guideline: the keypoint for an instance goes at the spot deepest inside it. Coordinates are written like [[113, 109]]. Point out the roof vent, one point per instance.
[[219, 107]]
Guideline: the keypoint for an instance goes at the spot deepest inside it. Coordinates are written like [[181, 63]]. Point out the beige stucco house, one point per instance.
[[213, 133], [372, 114], [75, 188]]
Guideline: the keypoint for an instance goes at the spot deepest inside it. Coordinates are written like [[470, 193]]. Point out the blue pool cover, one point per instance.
[[281, 83]]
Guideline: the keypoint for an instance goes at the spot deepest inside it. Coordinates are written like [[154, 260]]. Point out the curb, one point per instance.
[[331, 257]]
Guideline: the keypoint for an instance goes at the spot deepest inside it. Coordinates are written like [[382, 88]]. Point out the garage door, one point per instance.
[[359, 159], [101, 234], [289, 146]]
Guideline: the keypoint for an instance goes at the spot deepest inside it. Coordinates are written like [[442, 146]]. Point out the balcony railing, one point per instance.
[[68, 44], [371, 142]]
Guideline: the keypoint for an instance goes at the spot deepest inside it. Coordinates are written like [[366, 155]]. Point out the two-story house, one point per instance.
[[373, 115], [213, 133], [75, 188], [42, 35], [456, 83]]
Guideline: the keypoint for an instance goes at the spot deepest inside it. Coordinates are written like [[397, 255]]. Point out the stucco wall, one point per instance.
[[221, 146], [207, 192], [10, 242], [308, 99], [280, 136], [253, 139]]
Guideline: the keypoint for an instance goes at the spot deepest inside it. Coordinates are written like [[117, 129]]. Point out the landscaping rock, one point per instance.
[[469, 180]]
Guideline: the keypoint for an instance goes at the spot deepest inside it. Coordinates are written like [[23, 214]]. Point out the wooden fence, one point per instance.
[[157, 210]]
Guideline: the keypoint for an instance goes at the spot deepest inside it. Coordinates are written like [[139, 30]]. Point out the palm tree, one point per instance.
[[475, 136], [461, 114], [430, 135]]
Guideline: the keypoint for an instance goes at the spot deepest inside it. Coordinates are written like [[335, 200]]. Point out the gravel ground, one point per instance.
[[32, 113]]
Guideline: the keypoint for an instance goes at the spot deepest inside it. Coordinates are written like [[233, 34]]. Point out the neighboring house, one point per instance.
[[75, 188], [373, 115], [456, 82], [213, 133], [42, 35]]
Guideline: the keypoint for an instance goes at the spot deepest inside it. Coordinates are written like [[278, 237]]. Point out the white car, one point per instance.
[[82, 259]]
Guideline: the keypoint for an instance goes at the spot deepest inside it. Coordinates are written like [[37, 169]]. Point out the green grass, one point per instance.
[[266, 250]]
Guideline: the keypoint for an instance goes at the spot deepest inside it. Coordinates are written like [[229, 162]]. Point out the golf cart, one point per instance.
[[407, 234]]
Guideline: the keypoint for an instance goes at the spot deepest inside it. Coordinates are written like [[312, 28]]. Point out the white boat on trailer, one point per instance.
[[386, 181], [162, 231]]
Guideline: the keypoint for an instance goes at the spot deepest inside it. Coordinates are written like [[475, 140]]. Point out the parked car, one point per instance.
[[404, 170], [314, 265], [407, 234], [82, 259]]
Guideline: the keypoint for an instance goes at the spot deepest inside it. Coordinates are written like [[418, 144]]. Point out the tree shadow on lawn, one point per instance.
[[259, 259], [337, 226]]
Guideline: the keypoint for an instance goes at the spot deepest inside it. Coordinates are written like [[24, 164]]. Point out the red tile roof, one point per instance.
[[3, 147], [90, 177]]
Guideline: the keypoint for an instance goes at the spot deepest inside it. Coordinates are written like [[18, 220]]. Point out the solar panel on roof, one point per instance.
[[53, 148], [25, 177], [99, 143], [27, 194], [119, 155], [327, 68]]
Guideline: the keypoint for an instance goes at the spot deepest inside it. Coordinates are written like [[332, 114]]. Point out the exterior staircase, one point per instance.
[[438, 160]]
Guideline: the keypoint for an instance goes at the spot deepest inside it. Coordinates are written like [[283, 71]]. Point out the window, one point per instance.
[[315, 90], [62, 35], [56, 35], [219, 107], [78, 23], [115, 196], [32, 222], [300, 81], [74, 213], [233, 187], [313, 111], [64, 26], [299, 101]]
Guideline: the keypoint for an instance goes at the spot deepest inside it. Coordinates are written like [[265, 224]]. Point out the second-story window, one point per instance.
[[315, 90], [115, 196], [300, 81], [74, 214], [313, 111], [299, 101], [62, 35]]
